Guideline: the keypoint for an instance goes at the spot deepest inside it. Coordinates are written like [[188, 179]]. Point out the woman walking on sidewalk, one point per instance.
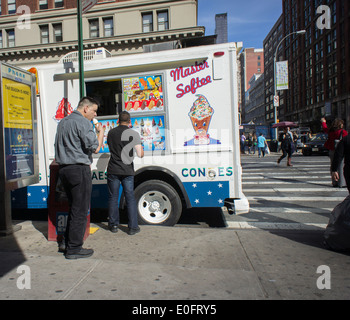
[[287, 146]]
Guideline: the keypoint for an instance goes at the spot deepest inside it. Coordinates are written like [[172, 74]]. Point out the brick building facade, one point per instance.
[[319, 61], [251, 62]]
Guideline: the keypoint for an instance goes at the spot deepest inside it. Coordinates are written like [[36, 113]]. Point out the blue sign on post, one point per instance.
[[19, 163]]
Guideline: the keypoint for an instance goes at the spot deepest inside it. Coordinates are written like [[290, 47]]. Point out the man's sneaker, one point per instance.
[[83, 253], [62, 247], [113, 229], [132, 231]]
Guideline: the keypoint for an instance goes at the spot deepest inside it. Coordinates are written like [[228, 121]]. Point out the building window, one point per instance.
[[57, 32], [108, 27], [1, 39], [11, 5], [163, 21], [44, 33], [43, 5], [59, 3], [94, 28], [10, 38], [147, 22]]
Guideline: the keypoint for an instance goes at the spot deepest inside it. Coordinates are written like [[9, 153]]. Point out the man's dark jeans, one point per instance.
[[77, 184], [113, 183]]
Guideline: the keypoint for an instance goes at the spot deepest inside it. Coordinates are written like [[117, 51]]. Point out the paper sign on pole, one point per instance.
[[282, 75], [87, 5]]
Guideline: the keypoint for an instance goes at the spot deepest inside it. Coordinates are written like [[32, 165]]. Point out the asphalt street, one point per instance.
[[299, 197]]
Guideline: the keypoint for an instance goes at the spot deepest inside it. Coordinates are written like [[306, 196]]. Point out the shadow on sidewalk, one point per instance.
[[213, 217], [11, 255]]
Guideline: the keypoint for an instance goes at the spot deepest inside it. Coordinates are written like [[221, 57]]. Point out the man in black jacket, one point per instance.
[[122, 142], [342, 151]]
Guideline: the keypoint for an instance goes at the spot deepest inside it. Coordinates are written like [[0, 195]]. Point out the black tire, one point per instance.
[[158, 203]]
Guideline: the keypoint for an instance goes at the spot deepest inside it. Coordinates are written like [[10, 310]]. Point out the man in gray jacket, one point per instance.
[[75, 143]]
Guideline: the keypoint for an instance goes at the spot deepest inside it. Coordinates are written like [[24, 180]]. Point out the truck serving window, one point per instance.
[[108, 93], [143, 97]]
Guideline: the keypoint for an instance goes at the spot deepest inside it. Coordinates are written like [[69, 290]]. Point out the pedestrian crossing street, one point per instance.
[[280, 197]]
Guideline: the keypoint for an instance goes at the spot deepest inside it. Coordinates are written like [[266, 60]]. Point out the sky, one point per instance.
[[248, 21]]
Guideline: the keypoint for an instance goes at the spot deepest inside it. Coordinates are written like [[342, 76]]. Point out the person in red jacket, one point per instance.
[[335, 132]]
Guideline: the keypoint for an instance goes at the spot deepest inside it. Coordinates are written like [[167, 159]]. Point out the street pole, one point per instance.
[[275, 76], [81, 50]]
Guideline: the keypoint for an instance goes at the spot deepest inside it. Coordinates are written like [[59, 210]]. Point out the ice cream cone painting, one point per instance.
[[200, 115], [64, 109]]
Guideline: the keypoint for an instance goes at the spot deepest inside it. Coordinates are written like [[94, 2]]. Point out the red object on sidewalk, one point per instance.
[[58, 209]]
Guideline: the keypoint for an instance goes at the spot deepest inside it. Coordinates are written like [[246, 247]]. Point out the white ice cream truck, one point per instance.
[[184, 105]]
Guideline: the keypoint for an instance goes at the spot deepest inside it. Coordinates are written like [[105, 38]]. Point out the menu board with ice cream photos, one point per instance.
[[152, 132], [107, 125], [143, 94]]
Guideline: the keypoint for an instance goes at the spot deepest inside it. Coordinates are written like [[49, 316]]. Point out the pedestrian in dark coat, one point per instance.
[[287, 146], [342, 151], [335, 133]]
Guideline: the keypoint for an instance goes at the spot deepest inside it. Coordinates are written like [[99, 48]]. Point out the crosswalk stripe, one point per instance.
[[303, 187], [339, 199], [326, 169], [317, 163], [275, 225], [285, 173], [283, 177], [296, 190], [312, 165], [290, 210], [319, 182]]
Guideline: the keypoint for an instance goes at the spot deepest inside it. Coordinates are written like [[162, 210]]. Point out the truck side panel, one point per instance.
[[200, 116]]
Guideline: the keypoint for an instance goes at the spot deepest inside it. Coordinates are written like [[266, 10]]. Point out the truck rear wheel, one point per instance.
[[158, 203]]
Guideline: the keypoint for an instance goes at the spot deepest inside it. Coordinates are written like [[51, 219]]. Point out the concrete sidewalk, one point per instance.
[[172, 263]]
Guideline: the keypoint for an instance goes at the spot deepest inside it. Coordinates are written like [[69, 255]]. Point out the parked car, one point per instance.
[[301, 140], [303, 130], [302, 136], [316, 145]]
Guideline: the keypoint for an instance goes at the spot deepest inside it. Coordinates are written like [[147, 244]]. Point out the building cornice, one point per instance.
[[122, 40]]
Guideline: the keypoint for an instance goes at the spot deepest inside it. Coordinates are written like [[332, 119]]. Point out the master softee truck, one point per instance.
[[184, 105]]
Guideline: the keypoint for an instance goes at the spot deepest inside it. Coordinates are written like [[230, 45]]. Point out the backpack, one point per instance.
[[337, 234]]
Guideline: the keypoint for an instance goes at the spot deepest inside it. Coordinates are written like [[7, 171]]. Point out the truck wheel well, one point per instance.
[[164, 175]]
